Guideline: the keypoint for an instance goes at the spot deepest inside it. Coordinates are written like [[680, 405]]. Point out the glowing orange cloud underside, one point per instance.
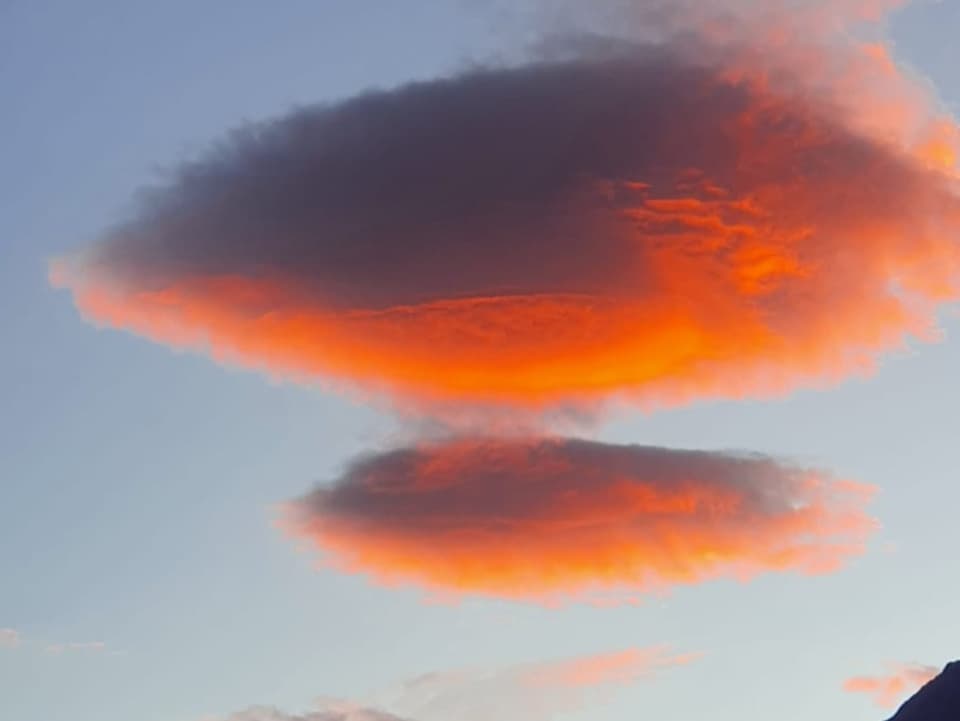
[[801, 277], [615, 534], [891, 689], [738, 305]]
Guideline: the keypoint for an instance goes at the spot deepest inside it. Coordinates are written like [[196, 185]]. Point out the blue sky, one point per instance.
[[138, 484]]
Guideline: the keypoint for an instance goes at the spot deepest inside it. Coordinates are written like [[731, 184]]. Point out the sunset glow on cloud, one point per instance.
[[558, 518], [752, 197], [537, 691], [735, 216], [480, 360], [601, 669], [891, 689]]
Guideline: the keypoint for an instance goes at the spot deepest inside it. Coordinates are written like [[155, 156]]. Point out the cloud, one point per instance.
[[891, 689], [730, 211], [58, 649], [543, 518], [351, 714], [9, 638], [530, 692]]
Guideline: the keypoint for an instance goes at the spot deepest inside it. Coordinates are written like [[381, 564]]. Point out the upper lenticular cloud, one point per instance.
[[545, 518], [696, 219]]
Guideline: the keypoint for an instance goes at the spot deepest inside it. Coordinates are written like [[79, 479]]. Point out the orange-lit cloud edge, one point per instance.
[[890, 689], [831, 240], [537, 691], [549, 519], [788, 282]]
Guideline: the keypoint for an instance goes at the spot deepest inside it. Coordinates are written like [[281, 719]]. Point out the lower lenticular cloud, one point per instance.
[[667, 223], [892, 688], [551, 517]]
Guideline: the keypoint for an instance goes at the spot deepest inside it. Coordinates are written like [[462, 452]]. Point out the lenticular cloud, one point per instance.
[[688, 219], [551, 517], [740, 199]]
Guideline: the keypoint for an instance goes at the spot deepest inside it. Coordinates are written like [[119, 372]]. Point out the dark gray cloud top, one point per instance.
[[659, 223], [492, 182]]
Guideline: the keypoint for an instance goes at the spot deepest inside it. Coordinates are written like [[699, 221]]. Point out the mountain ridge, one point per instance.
[[939, 700]]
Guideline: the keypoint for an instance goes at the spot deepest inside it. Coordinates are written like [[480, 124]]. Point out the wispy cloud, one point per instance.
[[332, 713], [531, 692], [890, 689], [61, 648], [9, 638]]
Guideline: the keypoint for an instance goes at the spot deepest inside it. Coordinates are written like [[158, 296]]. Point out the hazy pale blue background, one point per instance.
[[137, 483]]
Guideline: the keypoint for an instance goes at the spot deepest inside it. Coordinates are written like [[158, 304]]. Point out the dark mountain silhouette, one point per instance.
[[939, 700]]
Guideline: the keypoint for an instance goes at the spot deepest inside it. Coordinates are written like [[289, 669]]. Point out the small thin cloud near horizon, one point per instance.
[[13, 639], [9, 638], [539, 691], [58, 649], [892, 688]]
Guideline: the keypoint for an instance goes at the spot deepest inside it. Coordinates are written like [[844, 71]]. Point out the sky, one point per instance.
[[147, 568]]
